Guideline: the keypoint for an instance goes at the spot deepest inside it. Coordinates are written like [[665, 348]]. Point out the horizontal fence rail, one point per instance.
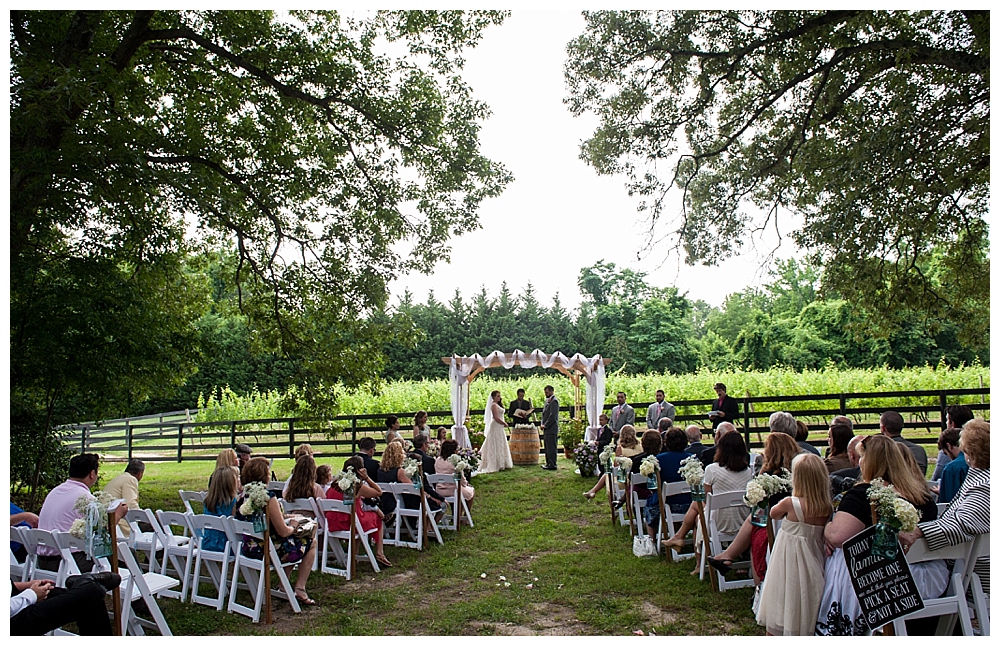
[[161, 438]]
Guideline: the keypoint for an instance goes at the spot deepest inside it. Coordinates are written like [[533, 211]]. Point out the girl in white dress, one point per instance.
[[793, 585], [495, 454]]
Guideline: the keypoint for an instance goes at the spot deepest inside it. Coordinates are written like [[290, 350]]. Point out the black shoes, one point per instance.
[[107, 580], [548, 468], [720, 565]]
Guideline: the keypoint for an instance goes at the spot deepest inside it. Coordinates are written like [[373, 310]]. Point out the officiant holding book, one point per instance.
[[520, 409]]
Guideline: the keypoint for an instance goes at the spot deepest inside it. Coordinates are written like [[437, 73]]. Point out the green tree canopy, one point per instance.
[[871, 125]]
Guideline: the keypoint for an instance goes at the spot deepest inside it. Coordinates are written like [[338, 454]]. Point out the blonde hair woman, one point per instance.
[[390, 470], [628, 444]]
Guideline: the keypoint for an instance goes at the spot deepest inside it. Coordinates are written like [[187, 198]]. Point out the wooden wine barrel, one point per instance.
[[524, 446]]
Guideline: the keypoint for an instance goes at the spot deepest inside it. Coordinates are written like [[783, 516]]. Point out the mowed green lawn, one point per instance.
[[533, 528]]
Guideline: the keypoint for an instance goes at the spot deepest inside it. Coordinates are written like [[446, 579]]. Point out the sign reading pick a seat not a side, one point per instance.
[[885, 587]]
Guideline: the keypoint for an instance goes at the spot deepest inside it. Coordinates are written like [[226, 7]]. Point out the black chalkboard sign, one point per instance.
[[885, 587]]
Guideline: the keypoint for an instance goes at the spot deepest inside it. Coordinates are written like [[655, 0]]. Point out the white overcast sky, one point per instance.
[[558, 215]]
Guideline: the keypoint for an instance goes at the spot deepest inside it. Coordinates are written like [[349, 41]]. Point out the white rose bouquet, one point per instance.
[[254, 498], [692, 471], [346, 480]]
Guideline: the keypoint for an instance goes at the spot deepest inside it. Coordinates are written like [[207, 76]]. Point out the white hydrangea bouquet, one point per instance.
[[607, 456], [892, 510], [347, 480], [692, 471], [763, 486], [649, 465], [460, 465], [623, 464], [254, 498], [92, 526]]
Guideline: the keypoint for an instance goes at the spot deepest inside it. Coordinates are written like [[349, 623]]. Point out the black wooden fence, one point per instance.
[[179, 440]]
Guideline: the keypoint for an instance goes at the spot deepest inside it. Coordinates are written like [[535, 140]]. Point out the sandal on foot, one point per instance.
[[304, 600], [721, 564], [383, 561], [673, 545]]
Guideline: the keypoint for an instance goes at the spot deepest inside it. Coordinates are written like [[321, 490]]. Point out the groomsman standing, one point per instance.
[[658, 410], [621, 414], [550, 427]]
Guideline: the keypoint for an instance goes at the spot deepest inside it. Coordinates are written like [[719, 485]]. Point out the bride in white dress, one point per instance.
[[495, 454]]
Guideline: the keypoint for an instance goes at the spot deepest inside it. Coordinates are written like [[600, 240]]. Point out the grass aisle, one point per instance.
[[530, 524]]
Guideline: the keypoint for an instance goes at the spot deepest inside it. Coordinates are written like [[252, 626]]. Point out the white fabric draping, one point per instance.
[[462, 367]]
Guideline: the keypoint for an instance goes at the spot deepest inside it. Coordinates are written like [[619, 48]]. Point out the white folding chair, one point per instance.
[[617, 492], [404, 516], [217, 563], [146, 542], [459, 506], [973, 584], [146, 586], [252, 572], [952, 602], [717, 540], [332, 542], [307, 507], [638, 504], [33, 539], [187, 497], [672, 522], [178, 554], [277, 486], [18, 571]]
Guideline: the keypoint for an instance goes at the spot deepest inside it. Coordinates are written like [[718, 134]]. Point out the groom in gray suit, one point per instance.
[[550, 427]]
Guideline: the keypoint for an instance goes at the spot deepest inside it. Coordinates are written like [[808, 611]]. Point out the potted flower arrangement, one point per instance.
[[585, 456], [477, 434], [570, 435]]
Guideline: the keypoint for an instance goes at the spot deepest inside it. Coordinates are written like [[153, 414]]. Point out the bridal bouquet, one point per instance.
[[346, 480], [649, 465], [692, 471], [892, 510], [763, 486]]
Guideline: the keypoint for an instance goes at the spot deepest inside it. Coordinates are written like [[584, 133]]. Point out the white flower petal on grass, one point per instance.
[[482, 576], [536, 578], [506, 584], [503, 578], [530, 586]]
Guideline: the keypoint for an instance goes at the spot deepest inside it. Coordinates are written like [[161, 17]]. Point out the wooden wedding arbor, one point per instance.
[[462, 370]]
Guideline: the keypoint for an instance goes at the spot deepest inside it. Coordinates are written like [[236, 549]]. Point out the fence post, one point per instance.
[[180, 441], [354, 434], [843, 404], [232, 435], [128, 438], [944, 409], [746, 418], [291, 436], [83, 439]]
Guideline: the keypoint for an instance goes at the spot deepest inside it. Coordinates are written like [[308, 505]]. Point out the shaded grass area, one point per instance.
[[530, 524]]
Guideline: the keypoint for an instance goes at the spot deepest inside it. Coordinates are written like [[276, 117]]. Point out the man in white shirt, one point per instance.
[[658, 410], [37, 607]]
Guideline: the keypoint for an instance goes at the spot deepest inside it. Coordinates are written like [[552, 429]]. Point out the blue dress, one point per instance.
[[212, 539]]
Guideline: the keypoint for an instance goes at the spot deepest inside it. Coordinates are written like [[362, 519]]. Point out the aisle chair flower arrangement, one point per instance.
[[470, 457], [624, 466], [585, 456], [760, 488], [694, 474], [92, 526], [607, 457], [895, 514], [254, 503], [347, 481], [411, 467], [648, 467]]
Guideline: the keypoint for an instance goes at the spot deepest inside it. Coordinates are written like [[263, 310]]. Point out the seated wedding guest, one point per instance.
[[664, 425], [339, 521], [955, 418], [802, 437], [391, 471], [729, 472], [302, 483], [968, 514], [324, 476], [670, 458], [420, 426], [223, 490], [38, 606], [427, 462], [125, 486], [21, 518], [443, 467], [226, 458], [300, 450], [243, 455], [708, 455], [779, 451], [628, 446], [783, 422], [954, 472], [838, 437], [891, 425], [695, 447], [790, 594], [290, 548], [366, 451], [840, 612]]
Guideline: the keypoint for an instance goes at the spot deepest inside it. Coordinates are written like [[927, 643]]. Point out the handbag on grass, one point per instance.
[[643, 545]]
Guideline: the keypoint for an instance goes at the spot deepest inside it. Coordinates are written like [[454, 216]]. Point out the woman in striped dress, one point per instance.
[[968, 515]]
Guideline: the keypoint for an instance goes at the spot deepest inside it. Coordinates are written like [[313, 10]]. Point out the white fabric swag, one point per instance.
[[463, 370]]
